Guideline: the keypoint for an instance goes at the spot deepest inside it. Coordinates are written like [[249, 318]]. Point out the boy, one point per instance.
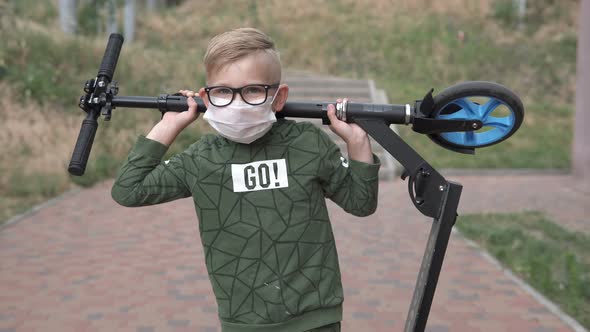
[[258, 189]]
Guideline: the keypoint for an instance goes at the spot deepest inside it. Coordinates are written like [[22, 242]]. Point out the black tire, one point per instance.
[[477, 89]]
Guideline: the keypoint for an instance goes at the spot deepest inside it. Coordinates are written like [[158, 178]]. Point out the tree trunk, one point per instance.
[[521, 12], [581, 146], [67, 16], [130, 9], [151, 5], [112, 24]]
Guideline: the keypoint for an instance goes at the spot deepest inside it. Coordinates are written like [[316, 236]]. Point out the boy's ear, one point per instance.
[[203, 96], [281, 98]]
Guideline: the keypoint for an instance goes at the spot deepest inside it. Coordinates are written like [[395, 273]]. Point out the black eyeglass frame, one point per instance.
[[239, 90]]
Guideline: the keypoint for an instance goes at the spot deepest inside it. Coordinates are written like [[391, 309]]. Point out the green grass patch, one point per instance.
[[10, 207], [555, 261], [23, 191], [21, 185]]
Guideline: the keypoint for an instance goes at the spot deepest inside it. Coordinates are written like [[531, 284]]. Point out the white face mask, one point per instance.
[[241, 122]]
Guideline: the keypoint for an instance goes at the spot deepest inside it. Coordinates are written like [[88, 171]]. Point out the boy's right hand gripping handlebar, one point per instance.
[[97, 93]]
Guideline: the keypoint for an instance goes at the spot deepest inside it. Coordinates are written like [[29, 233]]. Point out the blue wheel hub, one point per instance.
[[495, 128]]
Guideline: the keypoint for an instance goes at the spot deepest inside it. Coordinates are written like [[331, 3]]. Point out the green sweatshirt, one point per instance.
[[267, 238]]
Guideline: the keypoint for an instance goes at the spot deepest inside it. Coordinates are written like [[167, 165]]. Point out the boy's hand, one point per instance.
[[357, 140], [349, 132], [181, 120], [173, 123]]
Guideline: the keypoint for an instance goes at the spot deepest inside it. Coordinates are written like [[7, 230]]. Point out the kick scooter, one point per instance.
[[456, 119]]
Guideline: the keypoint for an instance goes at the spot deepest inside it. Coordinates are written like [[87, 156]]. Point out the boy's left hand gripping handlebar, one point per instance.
[[90, 124]]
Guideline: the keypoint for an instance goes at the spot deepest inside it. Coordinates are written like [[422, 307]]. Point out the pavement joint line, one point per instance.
[[504, 171], [552, 307], [14, 220]]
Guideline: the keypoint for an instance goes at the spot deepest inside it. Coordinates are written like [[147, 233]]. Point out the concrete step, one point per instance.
[[329, 96], [305, 86], [334, 83]]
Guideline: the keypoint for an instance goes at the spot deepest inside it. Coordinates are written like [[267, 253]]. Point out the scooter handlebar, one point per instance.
[[83, 146], [111, 56], [90, 124], [345, 111]]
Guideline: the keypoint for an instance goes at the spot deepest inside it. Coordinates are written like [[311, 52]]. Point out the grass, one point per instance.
[[407, 48], [555, 261]]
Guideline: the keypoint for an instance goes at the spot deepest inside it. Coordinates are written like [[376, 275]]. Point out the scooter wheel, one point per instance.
[[499, 109]]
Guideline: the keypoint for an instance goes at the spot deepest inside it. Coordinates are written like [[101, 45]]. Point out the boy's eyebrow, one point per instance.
[[235, 86]]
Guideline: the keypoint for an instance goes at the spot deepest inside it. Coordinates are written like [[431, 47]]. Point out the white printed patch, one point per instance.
[[344, 161], [260, 175]]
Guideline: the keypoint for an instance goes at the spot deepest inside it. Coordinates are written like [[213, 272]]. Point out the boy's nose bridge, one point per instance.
[[238, 96]]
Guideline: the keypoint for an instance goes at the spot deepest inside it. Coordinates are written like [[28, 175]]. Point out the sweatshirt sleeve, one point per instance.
[[351, 184], [144, 179]]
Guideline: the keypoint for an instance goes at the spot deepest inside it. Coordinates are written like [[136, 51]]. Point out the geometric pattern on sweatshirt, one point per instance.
[[284, 257], [270, 254]]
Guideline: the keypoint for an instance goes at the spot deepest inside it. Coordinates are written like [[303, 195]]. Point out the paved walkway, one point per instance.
[[563, 197], [83, 263]]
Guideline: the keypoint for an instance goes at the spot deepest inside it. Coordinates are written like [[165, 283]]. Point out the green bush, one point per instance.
[[43, 12], [99, 167], [505, 12], [44, 185], [37, 66]]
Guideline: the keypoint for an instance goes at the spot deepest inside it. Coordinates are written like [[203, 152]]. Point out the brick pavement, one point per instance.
[[564, 198], [83, 263]]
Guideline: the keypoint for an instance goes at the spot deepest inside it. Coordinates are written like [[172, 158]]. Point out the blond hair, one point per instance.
[[233, 45]]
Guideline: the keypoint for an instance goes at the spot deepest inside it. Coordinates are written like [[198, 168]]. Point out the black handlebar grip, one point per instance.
[[83, 147], [179, 104], [111, 56]]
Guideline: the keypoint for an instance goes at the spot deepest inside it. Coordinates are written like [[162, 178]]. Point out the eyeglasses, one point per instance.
[[253, 94]]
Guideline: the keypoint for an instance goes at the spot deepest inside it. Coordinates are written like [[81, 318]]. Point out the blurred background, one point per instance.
[[50, 48]]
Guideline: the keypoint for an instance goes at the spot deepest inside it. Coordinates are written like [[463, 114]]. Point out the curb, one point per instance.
[[504, 171], [552, 307]]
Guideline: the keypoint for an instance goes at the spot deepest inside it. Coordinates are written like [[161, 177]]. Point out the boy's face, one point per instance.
[[257, 68]]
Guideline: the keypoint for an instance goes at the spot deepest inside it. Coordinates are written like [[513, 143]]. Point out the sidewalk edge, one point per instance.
[[14, 220], [552, 307], [504, 171]]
